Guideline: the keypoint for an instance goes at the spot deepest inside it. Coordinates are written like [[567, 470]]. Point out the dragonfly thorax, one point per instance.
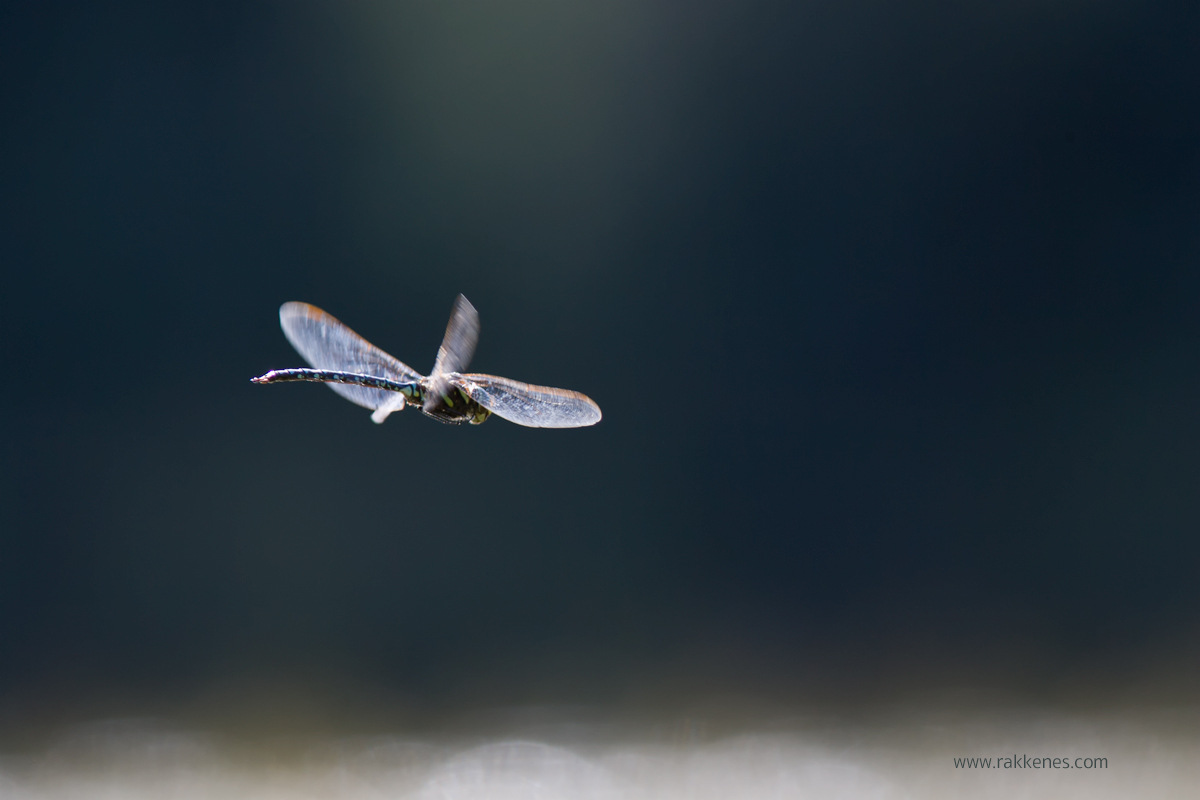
[[446, 403]]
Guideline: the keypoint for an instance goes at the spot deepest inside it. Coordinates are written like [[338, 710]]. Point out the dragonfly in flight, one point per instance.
[[363, 374]]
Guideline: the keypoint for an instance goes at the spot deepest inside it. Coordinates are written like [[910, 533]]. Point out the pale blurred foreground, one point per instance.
[[136, 759]]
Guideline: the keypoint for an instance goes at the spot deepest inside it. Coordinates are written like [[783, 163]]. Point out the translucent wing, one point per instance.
[[528, 405], [325, 343], [389, 406], [462, 333]]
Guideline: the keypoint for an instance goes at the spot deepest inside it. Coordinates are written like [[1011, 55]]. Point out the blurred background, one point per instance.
[[891, 310]]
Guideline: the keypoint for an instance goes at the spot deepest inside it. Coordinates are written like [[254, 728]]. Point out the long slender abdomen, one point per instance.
[[408, 389]]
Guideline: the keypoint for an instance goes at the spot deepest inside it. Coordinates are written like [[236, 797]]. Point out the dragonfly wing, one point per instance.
[[325, 343], [391, 405], [462, 333], [526, 404]]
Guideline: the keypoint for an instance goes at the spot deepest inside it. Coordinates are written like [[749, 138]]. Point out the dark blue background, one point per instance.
[[891, 311]]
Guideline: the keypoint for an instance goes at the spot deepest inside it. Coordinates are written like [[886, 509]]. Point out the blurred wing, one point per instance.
[[528, 405], [462, 333], [390, 406], [326, 343]]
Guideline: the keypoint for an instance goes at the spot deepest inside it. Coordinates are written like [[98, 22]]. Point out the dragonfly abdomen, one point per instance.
[[410, 390]]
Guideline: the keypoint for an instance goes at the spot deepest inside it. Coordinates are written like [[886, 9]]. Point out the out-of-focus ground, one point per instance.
[[544, 754]]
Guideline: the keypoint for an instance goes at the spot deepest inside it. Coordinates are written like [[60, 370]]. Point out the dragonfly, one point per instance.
[[363, 374]]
